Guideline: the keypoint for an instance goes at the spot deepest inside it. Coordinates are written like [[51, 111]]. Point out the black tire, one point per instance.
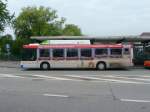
[[101, 66], [45, 66]]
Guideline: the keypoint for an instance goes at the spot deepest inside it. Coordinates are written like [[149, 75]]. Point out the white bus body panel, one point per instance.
[[110, 63], [64, 63], [29, 64]]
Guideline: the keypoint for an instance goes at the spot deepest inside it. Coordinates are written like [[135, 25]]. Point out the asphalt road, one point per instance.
[[74, 90]]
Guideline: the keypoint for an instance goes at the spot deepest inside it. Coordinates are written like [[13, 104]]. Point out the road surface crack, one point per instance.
[[112, 93]]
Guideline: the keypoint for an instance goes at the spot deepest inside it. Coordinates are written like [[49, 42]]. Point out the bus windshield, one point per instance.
[[29, 54]]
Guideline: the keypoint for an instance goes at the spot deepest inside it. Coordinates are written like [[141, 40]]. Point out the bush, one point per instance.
[[7, 39]]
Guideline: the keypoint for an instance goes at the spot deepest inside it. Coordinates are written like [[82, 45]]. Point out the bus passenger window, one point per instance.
[[44, 53], [86, 53], [58, 53], [72, 53], [116, 51], [126, 51], [101, 52]]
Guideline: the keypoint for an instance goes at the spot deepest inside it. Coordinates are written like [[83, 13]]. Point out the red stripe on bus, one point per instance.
[[72, 46]]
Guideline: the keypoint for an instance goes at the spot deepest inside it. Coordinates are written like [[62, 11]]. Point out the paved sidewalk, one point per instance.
[[9, 64]]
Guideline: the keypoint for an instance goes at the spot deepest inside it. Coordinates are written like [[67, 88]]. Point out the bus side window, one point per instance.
[[44, 53], [72, 53], [86, 53], [126, 51], [116, 51], [58, 53], [101, 52]]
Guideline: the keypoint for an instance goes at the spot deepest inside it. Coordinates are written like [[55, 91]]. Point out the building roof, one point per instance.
[[80, 37], [145, 34], [128, 38]]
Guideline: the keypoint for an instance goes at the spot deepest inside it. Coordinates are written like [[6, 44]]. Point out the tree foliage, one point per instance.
[[5, 16], [15, 47], [6, 39], [41, 21], [72, 30], [34, 21], [18, 44]]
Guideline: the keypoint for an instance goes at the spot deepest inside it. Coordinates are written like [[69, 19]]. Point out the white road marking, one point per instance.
[[56, 95], [116, 75], [55, 78], [138, 79], [132, 76], [145, 76], [132, 100], [9, 75], [103, 79], [82, 77]]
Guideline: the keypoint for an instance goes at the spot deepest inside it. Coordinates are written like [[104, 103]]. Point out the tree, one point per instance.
[[34, 21], [18, 44], [5, 16], [72, 30], [6, 39]]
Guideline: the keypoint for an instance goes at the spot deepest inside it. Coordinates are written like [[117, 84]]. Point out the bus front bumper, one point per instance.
[[146, 63]]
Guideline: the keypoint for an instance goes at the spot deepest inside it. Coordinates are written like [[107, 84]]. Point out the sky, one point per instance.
[[96, 17]]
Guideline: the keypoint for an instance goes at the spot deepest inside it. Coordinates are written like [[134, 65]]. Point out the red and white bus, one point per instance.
[[77, 56]]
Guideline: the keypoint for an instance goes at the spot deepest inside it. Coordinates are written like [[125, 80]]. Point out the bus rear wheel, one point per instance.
[[45, 66], [101, 66]]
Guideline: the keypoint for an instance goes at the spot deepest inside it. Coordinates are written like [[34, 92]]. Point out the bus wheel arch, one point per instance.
[[45, 66], [101, 65]]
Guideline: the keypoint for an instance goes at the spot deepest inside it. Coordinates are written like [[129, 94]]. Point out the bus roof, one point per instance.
[[34, 46], [46, 42]]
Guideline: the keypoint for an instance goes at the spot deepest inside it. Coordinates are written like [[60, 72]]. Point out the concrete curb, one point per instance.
[[9, 64], [8, 67]]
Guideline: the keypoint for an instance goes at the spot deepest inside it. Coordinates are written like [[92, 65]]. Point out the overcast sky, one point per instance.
[[97, 17]]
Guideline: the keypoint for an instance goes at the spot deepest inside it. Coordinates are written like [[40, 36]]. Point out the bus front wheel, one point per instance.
[[45, 66], [101, 66]]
